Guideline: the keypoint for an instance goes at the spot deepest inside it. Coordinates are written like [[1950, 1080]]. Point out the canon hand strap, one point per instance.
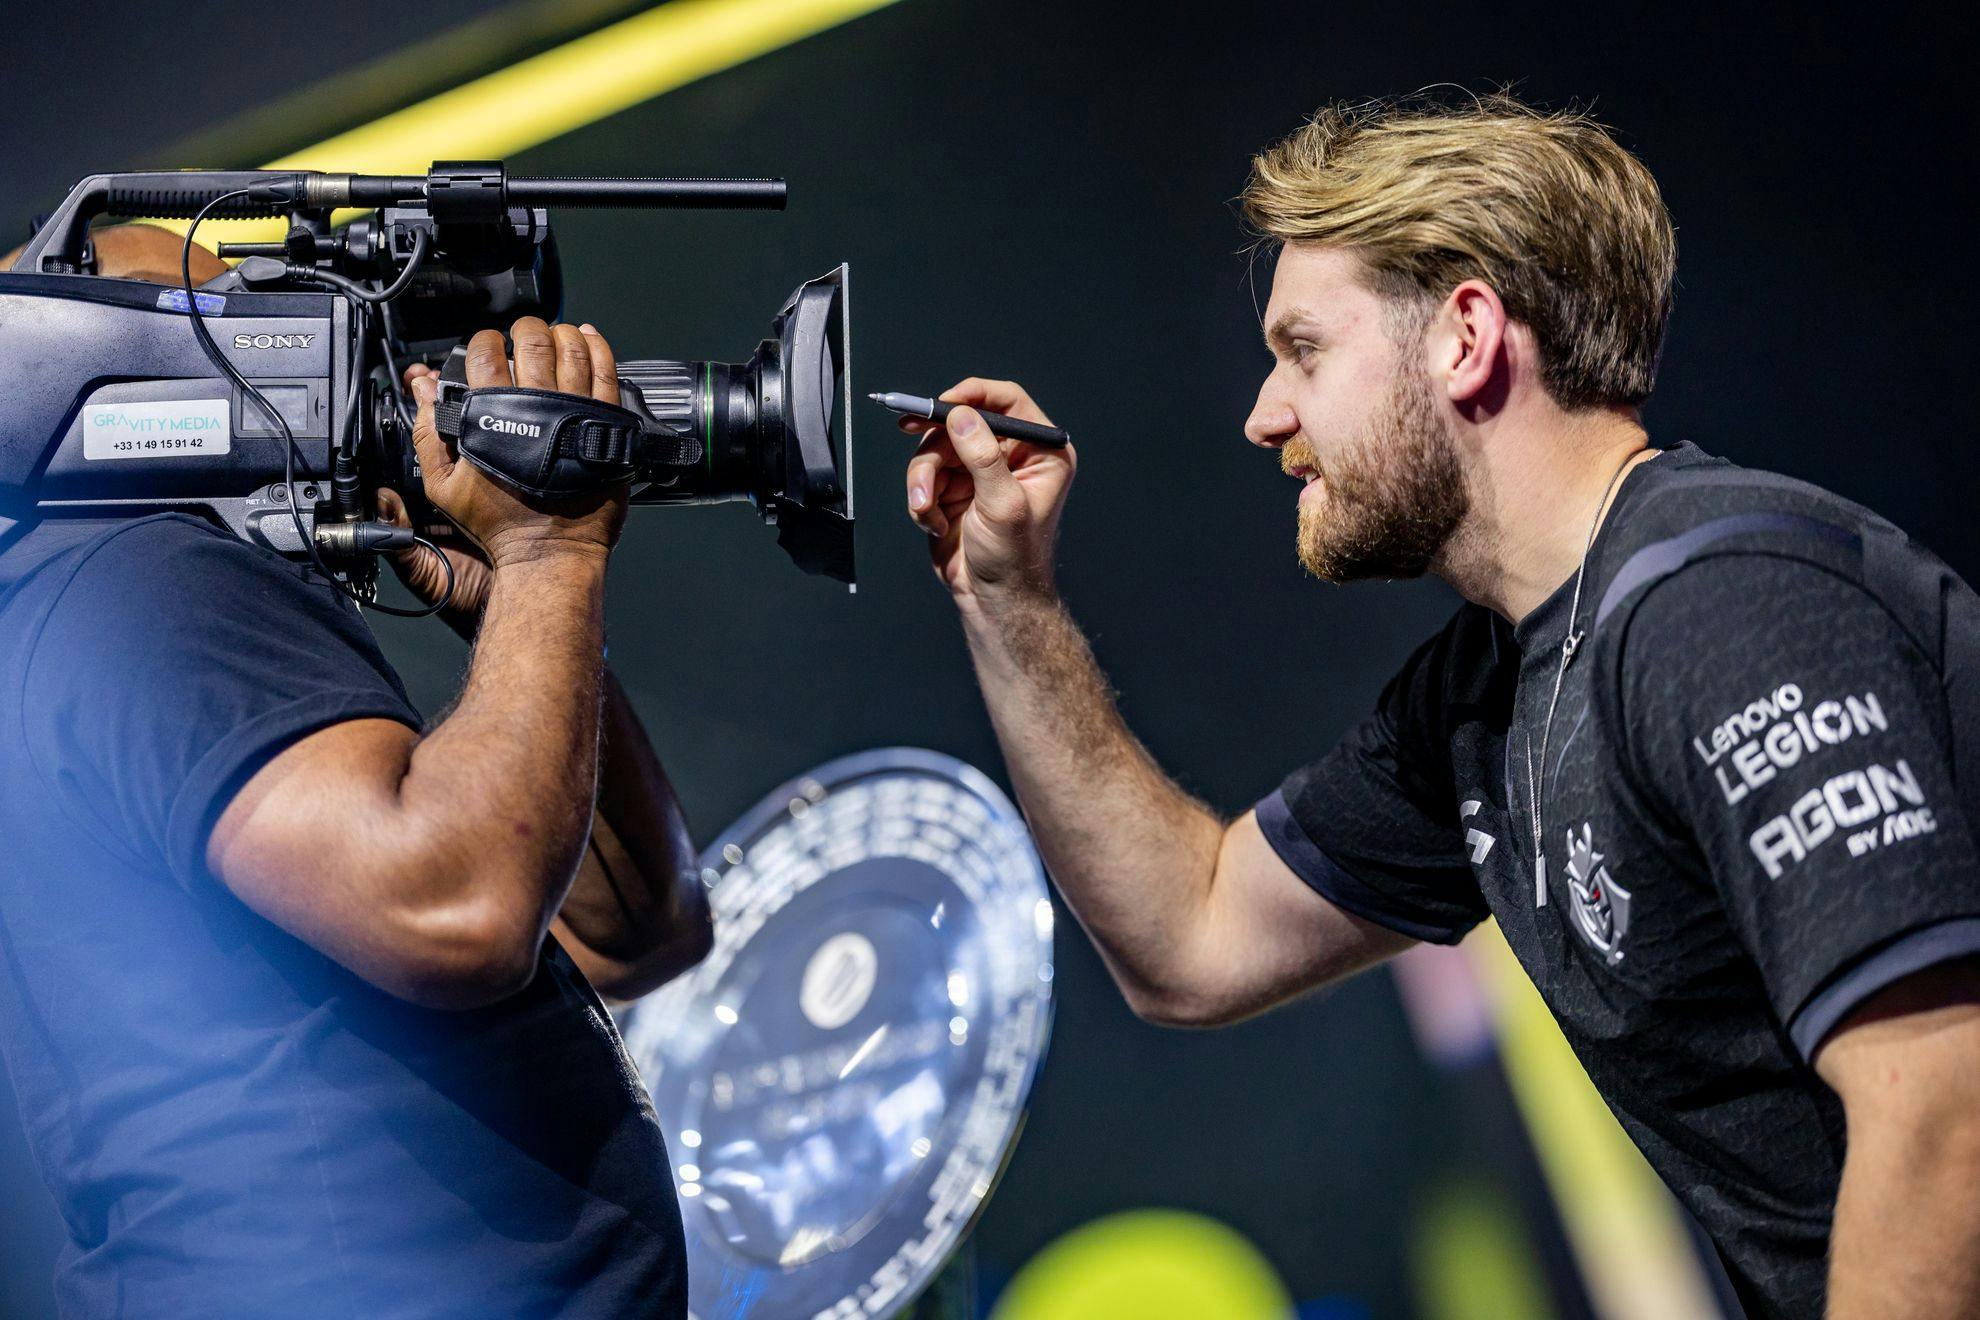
[[549, 444]]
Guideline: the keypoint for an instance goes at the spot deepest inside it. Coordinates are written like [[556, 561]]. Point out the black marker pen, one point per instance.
[[1011, 428]]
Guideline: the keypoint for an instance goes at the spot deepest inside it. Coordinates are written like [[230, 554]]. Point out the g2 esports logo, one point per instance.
[[1599, 904]]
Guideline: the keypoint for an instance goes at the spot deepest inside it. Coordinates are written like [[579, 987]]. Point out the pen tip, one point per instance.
[[874, 397]]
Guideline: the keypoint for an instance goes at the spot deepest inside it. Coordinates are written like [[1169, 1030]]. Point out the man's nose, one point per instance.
[[1271, 423]]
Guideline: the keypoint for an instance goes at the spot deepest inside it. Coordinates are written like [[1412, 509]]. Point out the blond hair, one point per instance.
[[1566, 226]]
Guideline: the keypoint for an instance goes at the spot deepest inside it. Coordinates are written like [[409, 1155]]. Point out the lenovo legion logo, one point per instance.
[[273, 341]]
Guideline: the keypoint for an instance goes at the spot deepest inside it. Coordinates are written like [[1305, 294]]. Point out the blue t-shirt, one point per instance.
[[232, 1124]]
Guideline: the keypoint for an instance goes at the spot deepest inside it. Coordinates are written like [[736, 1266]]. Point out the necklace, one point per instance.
[[1568, 647]]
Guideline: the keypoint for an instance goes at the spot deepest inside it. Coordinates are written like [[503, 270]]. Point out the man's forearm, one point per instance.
[[637, 907], [507, 781], [1905, 1244], [1131, 851]]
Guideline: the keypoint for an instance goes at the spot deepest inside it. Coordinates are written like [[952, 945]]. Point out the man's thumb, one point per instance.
[[434, 458], [392, 509], [997, 493]]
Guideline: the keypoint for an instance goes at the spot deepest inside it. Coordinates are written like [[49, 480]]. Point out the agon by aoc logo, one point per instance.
[[1601, 906], [273, 341]]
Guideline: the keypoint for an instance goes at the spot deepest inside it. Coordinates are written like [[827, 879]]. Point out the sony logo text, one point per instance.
[[273, 341]]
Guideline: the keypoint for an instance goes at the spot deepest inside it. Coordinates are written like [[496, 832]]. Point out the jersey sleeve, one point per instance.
[[1784, 722], [1373, 826], [173, 664]]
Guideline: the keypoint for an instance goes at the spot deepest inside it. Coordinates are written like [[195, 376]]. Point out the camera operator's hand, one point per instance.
[[990, 506], [566, 358], [424, 576]]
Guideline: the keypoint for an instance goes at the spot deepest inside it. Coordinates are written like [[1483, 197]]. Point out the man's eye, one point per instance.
[[1302, 351]]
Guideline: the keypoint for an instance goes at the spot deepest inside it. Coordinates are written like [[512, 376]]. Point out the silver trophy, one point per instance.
[[842, 1079]]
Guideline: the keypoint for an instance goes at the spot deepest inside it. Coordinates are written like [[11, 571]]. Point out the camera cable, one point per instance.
[[359, 291], [292, 452]]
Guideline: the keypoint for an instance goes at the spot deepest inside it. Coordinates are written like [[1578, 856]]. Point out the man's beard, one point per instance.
[[1391, 502]]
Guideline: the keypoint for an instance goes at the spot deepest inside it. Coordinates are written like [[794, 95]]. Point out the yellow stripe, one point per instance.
[[560, 90], [578, 83], [1626, 1229]]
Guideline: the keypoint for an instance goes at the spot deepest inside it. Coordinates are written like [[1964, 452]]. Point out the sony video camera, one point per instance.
[[279, 408]]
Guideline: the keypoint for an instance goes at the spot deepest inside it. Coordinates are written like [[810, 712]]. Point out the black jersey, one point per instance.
[[1751, 812]]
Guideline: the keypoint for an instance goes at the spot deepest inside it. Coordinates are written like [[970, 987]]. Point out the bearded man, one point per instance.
[[1693, 740]]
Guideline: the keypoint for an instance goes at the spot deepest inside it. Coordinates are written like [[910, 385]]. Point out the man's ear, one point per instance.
[[1473, 347]]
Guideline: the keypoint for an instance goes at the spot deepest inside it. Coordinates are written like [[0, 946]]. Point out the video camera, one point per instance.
[[280, 407]]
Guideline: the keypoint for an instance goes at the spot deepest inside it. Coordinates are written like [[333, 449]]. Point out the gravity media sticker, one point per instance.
[[174, 428]]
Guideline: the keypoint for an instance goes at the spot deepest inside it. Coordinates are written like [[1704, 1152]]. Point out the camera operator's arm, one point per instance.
[[432, 865], [637, 914], [1199, 922]]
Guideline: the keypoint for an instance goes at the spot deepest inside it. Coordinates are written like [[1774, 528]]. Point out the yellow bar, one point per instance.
[[578, 83], [561, 90]]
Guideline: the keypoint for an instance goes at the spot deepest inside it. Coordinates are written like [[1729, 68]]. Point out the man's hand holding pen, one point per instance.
[[990, 507]]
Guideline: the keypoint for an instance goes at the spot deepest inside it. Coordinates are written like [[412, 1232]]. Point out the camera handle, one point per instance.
[[452, 190]]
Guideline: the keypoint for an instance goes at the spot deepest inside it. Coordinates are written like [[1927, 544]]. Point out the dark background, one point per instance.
[[1041, 191]]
